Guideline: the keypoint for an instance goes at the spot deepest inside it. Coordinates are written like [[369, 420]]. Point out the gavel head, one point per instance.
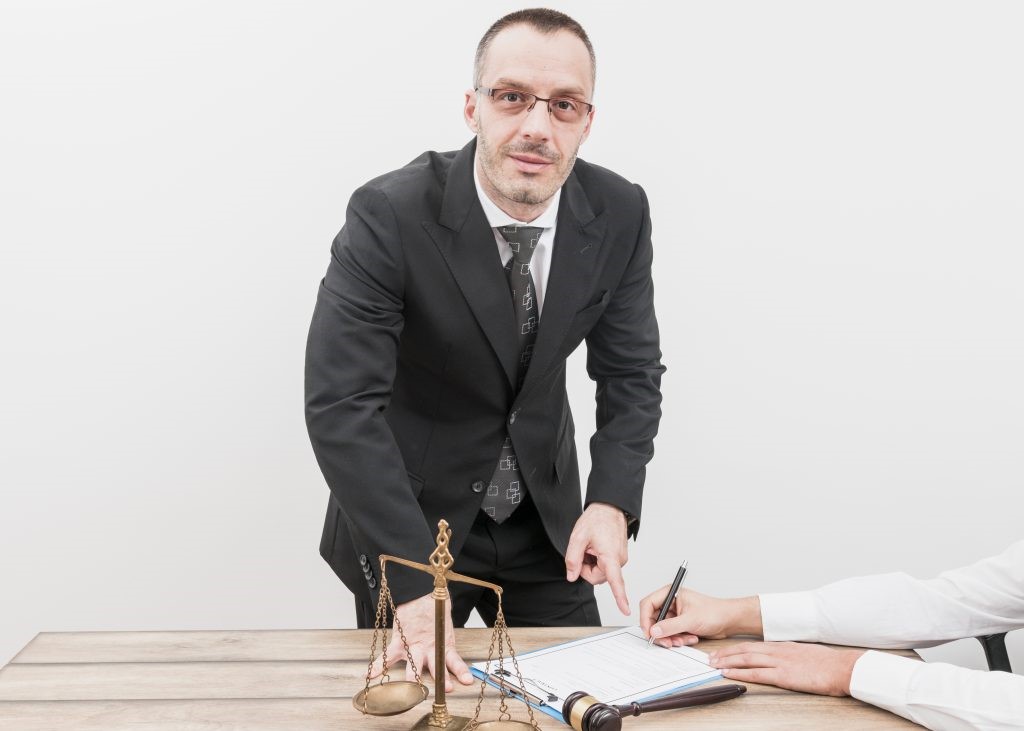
[[585, 713]]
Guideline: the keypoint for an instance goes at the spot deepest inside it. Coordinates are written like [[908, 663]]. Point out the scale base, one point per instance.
[[455, 723]]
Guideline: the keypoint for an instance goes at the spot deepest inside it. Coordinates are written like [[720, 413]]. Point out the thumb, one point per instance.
[[573, 558], [671, 626], [572, 568]]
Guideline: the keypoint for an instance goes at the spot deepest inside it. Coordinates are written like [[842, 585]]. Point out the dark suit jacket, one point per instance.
[[411, 364]]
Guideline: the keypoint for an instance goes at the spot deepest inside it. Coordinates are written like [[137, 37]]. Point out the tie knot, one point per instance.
[[522, 240]]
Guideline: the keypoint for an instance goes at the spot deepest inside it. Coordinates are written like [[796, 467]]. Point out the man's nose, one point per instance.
[[537, 123]]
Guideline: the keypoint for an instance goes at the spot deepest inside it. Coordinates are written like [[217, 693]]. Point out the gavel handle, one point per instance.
[[684, 699]]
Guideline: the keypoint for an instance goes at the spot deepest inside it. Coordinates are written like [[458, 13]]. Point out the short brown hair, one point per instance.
[[541, 19]]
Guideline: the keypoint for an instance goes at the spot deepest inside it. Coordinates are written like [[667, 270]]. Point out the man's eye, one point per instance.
[[511, 96], [566, 105]]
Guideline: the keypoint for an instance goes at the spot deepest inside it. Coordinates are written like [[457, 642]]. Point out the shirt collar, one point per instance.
[[497, 217]]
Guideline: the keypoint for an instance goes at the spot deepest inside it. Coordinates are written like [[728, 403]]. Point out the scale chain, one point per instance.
[[388, 703], [401, 633], [515, 664], [378, 627]]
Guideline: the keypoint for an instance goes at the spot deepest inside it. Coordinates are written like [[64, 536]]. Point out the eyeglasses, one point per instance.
[[513, 102]]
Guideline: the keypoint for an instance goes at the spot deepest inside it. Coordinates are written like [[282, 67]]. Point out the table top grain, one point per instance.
[[285, 680]]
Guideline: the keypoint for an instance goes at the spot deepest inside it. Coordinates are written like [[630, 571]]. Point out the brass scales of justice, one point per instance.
[[391, 697]]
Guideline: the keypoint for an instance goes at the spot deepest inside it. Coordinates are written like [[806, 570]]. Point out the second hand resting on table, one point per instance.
[[597, 551], [795, 666]]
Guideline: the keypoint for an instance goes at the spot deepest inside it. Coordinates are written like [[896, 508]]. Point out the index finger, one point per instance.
[[614, 573], [741, 648]]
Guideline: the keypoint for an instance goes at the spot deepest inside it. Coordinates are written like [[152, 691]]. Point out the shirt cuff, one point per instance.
[[790, 616], [884, 680]]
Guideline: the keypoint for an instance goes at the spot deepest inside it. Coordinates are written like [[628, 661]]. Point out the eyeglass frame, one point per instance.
[[490, 90]]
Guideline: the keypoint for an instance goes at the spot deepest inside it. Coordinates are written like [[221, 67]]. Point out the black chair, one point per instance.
[[995, 651]]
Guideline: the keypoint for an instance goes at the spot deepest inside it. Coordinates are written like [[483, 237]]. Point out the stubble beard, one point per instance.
[[527, 194]]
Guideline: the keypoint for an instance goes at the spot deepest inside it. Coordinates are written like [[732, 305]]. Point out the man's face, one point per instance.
[[524, 158]]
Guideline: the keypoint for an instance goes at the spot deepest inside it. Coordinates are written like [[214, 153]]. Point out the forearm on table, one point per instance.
[[938, 695]]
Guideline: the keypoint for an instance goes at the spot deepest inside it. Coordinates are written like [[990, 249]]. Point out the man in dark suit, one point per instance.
[[431, 393]]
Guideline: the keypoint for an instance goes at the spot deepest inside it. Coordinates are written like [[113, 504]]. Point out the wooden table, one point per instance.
[[303, 680]]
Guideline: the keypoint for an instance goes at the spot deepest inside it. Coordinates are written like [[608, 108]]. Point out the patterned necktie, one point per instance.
[[507, 487]]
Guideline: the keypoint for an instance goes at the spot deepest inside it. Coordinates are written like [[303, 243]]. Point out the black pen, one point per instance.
[[670, 597]]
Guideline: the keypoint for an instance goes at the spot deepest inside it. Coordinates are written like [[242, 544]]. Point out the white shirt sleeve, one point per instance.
[[938, 695], [897, 610]]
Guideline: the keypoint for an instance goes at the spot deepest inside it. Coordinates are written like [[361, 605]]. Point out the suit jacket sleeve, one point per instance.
[[624, 359], [350, 369]]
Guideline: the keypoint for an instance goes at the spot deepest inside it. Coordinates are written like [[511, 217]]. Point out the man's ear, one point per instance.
[[469, 111]]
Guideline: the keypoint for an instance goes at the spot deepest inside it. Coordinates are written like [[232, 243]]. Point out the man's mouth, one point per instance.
[[530, 163]]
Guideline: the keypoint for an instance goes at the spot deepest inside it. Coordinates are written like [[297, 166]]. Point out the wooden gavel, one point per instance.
[[585, 713]]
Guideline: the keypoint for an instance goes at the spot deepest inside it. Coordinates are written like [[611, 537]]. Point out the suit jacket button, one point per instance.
[[512, 417], [363, 561], [372, 582], [477, 486]]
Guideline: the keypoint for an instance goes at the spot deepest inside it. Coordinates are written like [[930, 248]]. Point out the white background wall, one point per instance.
[[838, 206]]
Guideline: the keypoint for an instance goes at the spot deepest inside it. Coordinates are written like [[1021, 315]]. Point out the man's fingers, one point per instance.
[[764, 676], [574, 557], [395, 654], [449, 684], [458, 666], [593, 574], [416, 657], [650, 605], [741, 648], [685, 639], [745, 660], [610, 571], [672, 625], [605, 570], [614, 573], [424, 655], [751, 662]]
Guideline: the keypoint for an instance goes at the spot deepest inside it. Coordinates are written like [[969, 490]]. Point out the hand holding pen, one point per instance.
[[667, 602], [687, 616]]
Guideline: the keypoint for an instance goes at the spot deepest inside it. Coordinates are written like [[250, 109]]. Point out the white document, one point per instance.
[[615, 667]]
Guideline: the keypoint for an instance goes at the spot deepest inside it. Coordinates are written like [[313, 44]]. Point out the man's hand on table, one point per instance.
[[793, 665], [597, 550], [417, 620]]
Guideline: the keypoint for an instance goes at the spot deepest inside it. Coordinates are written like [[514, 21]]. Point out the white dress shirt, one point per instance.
[[899, 611], [540, 264]]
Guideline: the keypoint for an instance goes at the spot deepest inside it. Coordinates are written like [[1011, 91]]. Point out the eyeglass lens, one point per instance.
[[512, 102]]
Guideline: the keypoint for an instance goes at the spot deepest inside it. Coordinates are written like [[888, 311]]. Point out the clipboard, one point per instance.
[[595, 664]]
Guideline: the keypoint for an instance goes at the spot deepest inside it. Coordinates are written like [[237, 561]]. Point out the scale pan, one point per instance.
[[503, 726], [391, 698]]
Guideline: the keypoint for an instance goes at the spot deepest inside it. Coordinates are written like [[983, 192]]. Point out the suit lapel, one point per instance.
[[466, 241], [578, 239]]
